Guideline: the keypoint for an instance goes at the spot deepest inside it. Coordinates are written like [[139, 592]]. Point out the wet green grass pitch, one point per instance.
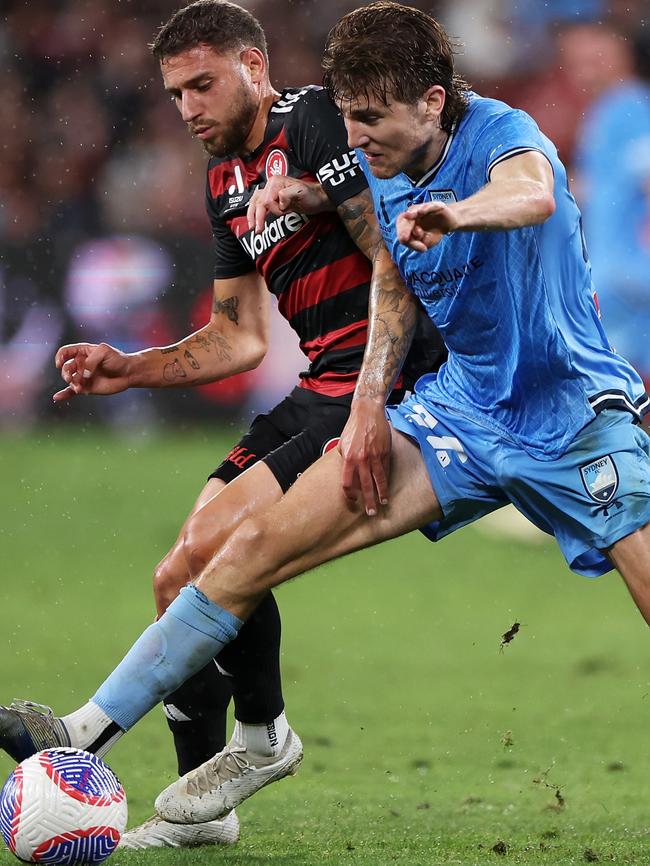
[[426, 741]]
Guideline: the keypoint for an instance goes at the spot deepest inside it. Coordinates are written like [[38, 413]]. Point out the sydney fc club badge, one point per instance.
[[600, 479], [276, 164]]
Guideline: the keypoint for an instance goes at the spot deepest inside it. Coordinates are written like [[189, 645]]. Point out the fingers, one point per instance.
[[380, 478], [271, 198], [95, 357], [349, 480], [78, 364], [368, 478], [71, 350], [367, 483], [256, 213], [412, 234], [64, 394]]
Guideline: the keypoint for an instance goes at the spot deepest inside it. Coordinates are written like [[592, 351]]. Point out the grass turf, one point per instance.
[[425, 743]]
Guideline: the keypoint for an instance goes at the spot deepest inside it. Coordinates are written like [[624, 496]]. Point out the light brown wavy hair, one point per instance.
[[388, 50]]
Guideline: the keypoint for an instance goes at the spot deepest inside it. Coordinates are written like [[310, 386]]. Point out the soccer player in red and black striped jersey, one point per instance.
[[214, 65]]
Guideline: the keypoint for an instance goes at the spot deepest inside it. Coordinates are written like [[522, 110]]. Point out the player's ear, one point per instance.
[[434, 98], [255, 62]]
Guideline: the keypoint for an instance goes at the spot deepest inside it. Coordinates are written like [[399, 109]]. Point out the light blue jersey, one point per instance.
[[528, 356]]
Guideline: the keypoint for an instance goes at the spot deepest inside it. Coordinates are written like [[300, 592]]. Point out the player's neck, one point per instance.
[[428, 155], [256, 135]]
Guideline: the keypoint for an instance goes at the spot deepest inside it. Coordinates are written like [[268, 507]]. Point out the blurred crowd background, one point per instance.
[[103, 234]]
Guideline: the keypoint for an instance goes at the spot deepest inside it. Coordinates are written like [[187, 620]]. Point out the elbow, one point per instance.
[[255, 355], [545, 206]]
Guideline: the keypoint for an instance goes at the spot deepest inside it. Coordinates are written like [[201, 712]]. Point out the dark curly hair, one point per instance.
[[389, 50], [222, 25]]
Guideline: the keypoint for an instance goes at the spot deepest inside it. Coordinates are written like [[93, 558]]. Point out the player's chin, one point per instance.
[[217, 147], [383, 171]]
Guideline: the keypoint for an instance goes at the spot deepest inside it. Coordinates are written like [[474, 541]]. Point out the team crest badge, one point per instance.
[[446, 196], [276, 164], [600, 479]]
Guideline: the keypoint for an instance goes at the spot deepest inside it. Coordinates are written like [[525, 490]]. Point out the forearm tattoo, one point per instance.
[[392, 324], [191, 360], [199, 341], [228, 306], [358, 216], [174, 371]]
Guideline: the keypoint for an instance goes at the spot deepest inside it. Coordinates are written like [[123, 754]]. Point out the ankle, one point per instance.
[[266, 739]]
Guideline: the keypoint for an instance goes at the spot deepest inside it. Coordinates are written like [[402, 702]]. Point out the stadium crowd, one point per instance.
[[103, 233]]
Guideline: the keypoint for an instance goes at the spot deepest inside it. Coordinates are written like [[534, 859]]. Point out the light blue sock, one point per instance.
[[190, 633]]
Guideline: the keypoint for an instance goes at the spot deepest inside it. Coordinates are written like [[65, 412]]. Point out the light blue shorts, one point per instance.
[[596, 493]]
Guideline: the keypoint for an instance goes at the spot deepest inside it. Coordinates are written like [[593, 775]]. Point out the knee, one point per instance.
[[168, 579], [198, 548]]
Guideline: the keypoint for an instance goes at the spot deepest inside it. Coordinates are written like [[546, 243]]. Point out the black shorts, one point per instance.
[[290, 437]]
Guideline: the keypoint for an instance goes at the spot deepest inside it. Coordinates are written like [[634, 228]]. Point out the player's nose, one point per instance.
[[356, 136], [189, 107]]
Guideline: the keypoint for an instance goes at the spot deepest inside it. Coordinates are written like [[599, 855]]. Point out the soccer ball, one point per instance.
[[62, 806]]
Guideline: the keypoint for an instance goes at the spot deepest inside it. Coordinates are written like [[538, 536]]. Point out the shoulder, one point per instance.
[[483, 112], [298, 102]]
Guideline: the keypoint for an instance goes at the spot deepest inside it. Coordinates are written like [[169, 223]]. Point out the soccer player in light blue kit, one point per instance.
[[533, 406]]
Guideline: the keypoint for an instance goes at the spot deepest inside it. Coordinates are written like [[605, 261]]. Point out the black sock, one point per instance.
[[253, 660], [196, 715], [196, 712]]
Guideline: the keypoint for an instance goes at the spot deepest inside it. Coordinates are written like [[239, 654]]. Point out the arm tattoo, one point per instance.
[[200, 341], [174, 371], [392, 324], [228, 306], [358, 216], [221, 345], [169, 349], [189, 357]]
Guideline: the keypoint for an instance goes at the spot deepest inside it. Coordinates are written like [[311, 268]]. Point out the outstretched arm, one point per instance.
[[235, 339], [519, 193]]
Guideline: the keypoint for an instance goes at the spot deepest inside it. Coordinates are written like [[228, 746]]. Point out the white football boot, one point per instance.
[[225, 781], [156, 833]]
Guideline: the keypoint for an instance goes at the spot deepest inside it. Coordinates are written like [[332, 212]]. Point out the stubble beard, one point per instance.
[[234, 131]]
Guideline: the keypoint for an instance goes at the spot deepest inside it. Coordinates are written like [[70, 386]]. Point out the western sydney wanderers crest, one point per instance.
[[276, 164], [600, 479]]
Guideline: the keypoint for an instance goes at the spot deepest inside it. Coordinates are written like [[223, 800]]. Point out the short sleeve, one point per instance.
[[230, 259], [320, 143], [512, 133]]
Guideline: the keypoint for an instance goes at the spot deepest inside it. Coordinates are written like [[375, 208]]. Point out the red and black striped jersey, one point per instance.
[[311, 264]]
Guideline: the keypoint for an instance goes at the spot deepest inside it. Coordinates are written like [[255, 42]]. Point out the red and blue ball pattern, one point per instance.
[[62, 806]]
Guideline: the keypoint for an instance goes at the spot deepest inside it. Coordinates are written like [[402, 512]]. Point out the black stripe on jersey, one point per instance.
[[332, 314], [336, 361], [614, 398], [326, 250]]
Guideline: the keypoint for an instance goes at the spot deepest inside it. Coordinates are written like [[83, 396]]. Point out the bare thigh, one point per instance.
[[214, 521], [631, 556], [314, 523]]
